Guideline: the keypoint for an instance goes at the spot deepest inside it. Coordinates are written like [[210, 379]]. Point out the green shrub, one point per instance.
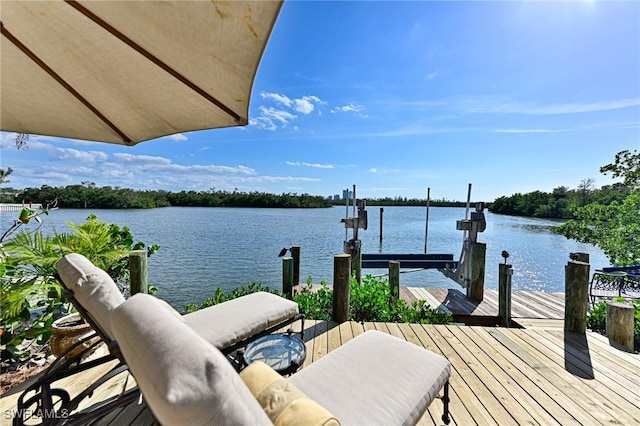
[[315, 303], [370, 301], [597, 318]]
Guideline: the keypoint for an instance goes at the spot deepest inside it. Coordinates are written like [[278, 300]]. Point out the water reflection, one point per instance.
[[535, 228], [205, 248]]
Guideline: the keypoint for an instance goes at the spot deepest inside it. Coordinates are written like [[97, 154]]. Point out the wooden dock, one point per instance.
[[500, 376], [525, 305]]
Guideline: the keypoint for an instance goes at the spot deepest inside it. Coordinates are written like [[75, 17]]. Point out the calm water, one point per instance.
[[205, 248]]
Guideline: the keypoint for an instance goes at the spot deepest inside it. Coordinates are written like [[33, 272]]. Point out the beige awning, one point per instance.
[[129, 71]]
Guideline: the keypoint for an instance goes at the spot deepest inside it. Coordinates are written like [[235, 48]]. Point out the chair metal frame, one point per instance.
[[53, 406]]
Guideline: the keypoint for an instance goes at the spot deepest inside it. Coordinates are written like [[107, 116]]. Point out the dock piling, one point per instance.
[[476, 285], [287, 276], [394, 278], [341, 286], [138, 272], [505, 272], [576, 293], [295, 253], [620, 324], [355, 252]]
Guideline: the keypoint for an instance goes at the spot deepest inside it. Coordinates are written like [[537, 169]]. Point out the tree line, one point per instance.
[[404, 201], [562, 202], [88, 195]]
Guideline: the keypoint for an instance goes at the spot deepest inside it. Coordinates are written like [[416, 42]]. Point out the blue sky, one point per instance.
[[396, 97]]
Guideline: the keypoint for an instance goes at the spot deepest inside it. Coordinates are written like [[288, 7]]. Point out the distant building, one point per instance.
[[336, 197], [347, 195]]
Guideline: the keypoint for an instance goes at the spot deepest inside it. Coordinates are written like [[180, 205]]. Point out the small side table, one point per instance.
[[282, 352]]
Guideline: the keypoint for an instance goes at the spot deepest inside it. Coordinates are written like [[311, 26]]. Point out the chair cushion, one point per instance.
[[237, 319], [282, 401], [92, 287], [375, 379], [184, 379]]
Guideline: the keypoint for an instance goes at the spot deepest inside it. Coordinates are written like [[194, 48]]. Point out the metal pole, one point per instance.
[[381, 219], [465, 234], [466, 213], [346, 230], [426, 226], [355, 229]]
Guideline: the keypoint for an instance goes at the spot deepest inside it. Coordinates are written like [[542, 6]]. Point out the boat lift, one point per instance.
[[354, 245], [468, 271], [463, 273]]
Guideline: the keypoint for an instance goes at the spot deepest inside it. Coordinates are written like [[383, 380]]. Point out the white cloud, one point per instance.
[[507, 105], [504, 105], [373, 170], [141, 160], [127, 170], [272, 179], [306, 104], [350, 108], [243, 170], [75, 154], [314, 165], [263, 123], [529, 130], [275, 114], [279, 116], [270, 117], [281, 99], [177, 137]]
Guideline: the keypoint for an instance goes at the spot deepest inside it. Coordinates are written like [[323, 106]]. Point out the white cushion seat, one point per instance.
[[228, 323], [184, 379], [222, 325], [373, 379], [92, 287]]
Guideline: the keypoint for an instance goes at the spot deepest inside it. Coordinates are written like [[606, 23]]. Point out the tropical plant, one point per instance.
[[32, 297], [28, 213], [4, 174]]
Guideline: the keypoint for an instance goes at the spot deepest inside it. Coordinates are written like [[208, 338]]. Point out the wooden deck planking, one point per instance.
[[464, 381], [518, 403], [577, 389], [464, 415], [499, 375], [524, 304], [539, 322], [618, 388], [527, 379]]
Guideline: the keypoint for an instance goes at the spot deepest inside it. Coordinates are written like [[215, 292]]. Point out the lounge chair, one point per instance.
[[227, 326], [374, 379]]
